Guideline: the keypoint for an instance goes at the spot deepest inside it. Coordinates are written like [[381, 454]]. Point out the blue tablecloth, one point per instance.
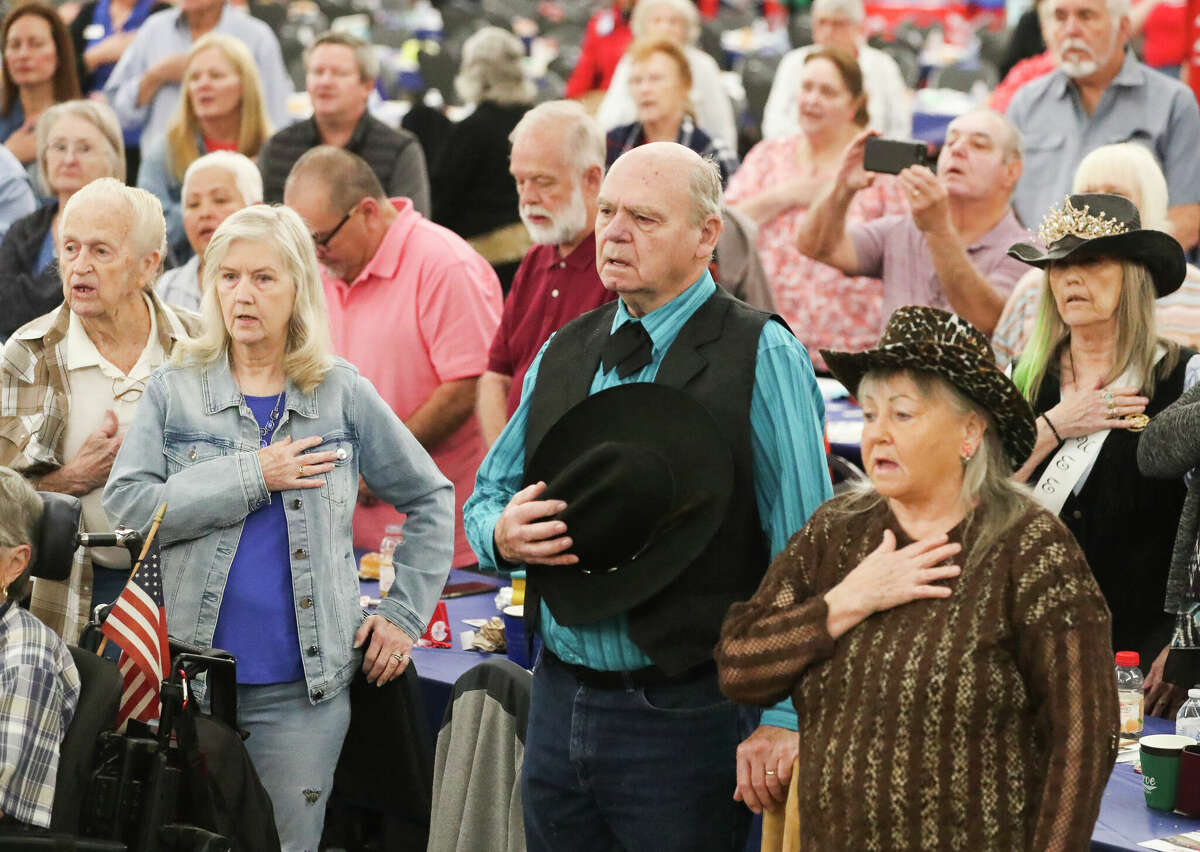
[[439, 668], [1124, 820]]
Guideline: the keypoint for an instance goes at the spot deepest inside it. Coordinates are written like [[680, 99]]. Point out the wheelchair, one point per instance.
[[138, 791]]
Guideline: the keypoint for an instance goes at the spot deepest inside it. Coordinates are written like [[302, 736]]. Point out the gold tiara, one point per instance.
[[1060, 222]]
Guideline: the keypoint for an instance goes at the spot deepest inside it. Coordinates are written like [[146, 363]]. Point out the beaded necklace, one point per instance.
[[268, 429]]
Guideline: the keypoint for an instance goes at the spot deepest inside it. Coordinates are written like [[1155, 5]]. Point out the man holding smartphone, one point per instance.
[[950, 251]]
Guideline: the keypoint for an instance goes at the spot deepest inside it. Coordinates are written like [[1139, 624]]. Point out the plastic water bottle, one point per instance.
[[1187, 722], [392, 536], [1129, 694]]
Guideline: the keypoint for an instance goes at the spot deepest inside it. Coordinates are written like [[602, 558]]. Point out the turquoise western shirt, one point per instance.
[[787, 420]]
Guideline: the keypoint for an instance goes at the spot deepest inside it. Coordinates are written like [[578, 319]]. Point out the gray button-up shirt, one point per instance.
[[1140, 105], [165, 34]]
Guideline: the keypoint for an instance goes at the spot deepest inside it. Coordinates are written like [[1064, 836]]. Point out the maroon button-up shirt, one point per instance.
[[546, 293]]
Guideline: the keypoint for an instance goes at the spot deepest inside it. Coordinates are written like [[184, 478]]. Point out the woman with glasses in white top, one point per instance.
[[77, 142]]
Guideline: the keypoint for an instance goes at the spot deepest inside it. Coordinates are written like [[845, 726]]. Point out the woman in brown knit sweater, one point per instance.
[[944, 642]]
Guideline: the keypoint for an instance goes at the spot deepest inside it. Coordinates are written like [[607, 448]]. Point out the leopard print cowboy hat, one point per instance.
[[934, 341]]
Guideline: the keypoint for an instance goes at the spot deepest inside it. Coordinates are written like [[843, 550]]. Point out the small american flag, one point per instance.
[[138, 624]]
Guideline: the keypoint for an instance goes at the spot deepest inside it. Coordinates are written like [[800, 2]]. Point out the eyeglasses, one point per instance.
[[323, 241]]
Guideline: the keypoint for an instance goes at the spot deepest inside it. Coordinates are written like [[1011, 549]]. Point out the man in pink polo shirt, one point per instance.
[[412, 306]]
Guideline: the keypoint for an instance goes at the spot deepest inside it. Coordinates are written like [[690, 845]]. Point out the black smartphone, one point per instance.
[[892, 156]]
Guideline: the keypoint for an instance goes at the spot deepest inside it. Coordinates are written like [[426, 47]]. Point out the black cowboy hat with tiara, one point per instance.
[[1100, 225], [933, 341], [647, 478]]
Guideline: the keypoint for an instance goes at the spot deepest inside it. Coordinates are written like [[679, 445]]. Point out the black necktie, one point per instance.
[[628, 348]]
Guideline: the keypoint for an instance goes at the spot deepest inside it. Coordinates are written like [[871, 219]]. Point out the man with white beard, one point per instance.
[[1099, 94], [557, 162]]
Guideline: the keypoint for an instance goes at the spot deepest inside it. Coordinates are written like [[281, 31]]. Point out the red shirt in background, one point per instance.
[[1166, 39], [547, 292], [211, 145], [1191, 67], [1021, 73], [604, 44]]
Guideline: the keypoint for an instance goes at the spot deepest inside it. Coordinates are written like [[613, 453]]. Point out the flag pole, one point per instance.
[[158, 516]]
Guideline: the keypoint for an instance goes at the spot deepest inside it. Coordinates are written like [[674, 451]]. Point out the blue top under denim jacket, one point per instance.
[[193, 444]]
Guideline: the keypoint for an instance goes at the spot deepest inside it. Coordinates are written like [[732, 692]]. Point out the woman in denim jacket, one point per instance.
[[255, 438]]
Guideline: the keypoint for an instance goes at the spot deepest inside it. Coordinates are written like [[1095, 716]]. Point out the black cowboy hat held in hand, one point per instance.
[[647, 478]]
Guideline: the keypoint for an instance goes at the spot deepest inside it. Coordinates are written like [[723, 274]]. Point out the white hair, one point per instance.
[[1127, 164], [147, 228], [683, 8], [581, 134], [851, 9], [704, 184], [246, 176], [492, 69]]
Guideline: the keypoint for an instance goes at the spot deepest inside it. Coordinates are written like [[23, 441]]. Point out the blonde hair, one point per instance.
[[1127, 164], [253, 126], [308, 351], [147, 228], [991, 501], [683, 8], [99, 115], [1136, 344]]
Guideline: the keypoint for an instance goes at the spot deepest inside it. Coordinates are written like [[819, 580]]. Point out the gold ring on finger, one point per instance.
[[1137, 422], [302, 470], [399, 658]]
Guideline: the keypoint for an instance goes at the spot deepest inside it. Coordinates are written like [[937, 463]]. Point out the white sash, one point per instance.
[[1076, 456]]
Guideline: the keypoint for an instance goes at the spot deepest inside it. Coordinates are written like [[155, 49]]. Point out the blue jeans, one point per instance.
[[649, 768], [294, 747]]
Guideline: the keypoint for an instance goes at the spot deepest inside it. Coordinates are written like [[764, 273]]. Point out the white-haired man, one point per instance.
[[557, 162], [839, 24], [951, 250], [1100, 93], [71, 379], [605, 767]]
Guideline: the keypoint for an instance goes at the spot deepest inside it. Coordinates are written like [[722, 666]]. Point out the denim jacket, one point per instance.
[[193, 444]]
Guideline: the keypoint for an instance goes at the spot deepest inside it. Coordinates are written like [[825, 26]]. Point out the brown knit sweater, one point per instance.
[[985, 720]]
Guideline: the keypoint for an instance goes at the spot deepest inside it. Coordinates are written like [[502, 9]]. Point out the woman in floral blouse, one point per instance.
[[778, 181]]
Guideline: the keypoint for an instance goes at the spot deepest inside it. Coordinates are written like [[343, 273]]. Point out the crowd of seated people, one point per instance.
[[300, 329]]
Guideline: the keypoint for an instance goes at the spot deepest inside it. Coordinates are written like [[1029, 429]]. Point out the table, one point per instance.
[[843, 427], [1124, 819], [439, 668]]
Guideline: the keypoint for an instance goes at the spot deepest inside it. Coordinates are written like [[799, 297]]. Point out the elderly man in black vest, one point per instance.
[[340, 72], [630, 743]]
